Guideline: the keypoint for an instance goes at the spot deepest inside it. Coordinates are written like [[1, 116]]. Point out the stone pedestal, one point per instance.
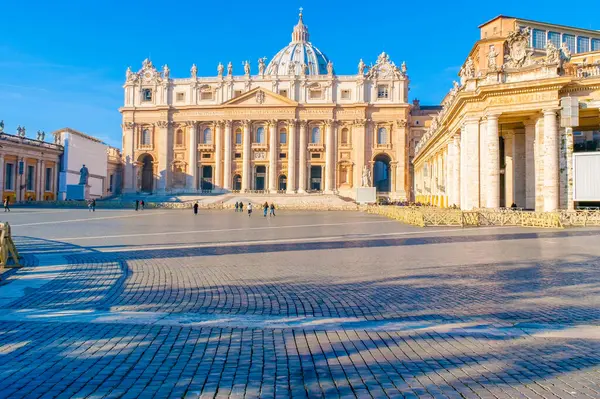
[[78, 192], [366, 195]]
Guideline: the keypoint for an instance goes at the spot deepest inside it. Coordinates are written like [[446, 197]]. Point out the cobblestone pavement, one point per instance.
[[162, 304]]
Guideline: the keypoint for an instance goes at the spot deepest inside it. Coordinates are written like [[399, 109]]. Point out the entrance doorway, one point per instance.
[[282, 183], [147, 173], [206, 184], [237, 183], [260, 176], [381, 173], [315, 178]]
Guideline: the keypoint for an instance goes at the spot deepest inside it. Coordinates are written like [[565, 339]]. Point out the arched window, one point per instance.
[[282, 137], [315, 136], [345, 135], [382, 136], [179, 137], [238, 136], [146, 137], [260, 135], [207, 136]]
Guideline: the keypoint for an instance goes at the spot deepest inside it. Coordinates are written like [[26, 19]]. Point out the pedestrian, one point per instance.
[[137, 204], [142, 204], [89, 204], [196, 208], [265, 208], [249, 209], [6, 203], [241, 206], [272, 209], [93, 205], [237, 206]]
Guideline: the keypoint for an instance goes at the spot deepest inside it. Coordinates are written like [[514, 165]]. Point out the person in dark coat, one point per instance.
[[196, 208], [272, 209], [265, 209], [237, 206], [142, 204], [137, 204], [241, 206], [93, 205]]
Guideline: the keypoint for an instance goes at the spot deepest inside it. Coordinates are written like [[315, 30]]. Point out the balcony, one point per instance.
[[316, 147], [206, 147], [387, 146], [259, 146], [145, 147]]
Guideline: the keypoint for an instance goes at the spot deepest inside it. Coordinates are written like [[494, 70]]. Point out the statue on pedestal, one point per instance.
[[229, 69], [220, 70], [84, 175], [366, 177]]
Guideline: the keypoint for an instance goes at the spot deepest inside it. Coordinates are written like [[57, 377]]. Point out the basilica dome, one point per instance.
[[300, 52]]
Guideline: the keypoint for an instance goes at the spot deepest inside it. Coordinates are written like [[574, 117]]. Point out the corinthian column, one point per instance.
[[128, 151], [330, 159], [550, 161], [302, 158], [456, 171], [192, 176], [246, 157], [273, 156], [218, 183], [227, 157], [493, 163], [164, 150], [291, 179]]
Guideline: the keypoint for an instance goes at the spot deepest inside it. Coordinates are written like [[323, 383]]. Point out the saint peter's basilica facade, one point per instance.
[[292, 125]]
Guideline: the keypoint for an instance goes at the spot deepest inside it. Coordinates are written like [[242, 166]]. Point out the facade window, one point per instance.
[[206, 95], [345, 134], [315, 136], [260, 135], [180, 97], [30, 177], [583, 44], [238, 137], [9, 176], [207, 136], [316, 94], [179, 137], [237, 155], [595, 44], [382, 91], [282, 137], [315, 155], [147, 95], [554, 38], [539, 39], [48, 183], [282, 155], [570, 41], [345, 94], [382, 136], [206, 155], [283, 93], [146, 137]]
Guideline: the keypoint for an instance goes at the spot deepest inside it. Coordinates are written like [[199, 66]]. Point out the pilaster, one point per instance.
[[273, 146], [227, 177], [291, 178], [329, 158], [192, 175], [302, 150], [218, 179], [246, 156], [164, 148]]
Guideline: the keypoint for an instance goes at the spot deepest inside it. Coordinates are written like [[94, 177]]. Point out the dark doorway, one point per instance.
[[381, 173], [259, 180], [206, 184], [315, 178], [237, 183], [147, 173], [282, 183]]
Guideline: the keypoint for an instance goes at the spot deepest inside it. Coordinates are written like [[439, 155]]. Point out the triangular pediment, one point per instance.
[[260, 97]]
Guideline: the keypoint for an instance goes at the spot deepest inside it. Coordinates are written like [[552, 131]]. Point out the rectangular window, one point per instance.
[[206, 156], [9, 176], [316, 94], [147, 95], [282, 138], [382, 91], [315, 155], [583, 44], [345, 94], [30, 177], [206, 95], [570, 41], [595, 44], [111, 180], [554, 38], [282, 155], [48, 183], [237, 155], [238, 139], [539, 38], [180, 97], [283, 93]]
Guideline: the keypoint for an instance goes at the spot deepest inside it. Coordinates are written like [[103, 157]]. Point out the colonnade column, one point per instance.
[[529, 165], [302, 158], [192, 176], [551, 186], [291, 178], [246, 157], [273, 156], [227, 157], [456, 171], [218, 181], [330, 158], [469, 164], [570, 179], [493, 163]]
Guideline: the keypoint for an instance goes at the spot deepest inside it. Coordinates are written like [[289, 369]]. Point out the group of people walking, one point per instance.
[[139, 205], [239, 207], [91, 205]]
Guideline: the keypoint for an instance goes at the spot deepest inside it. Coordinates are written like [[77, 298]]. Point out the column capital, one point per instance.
[[246, 123], [550, 111], [303, 123], [492, 116], [292, 122], [472, 119], [219, 123], [162, 124], [128, 125], [228, 123]]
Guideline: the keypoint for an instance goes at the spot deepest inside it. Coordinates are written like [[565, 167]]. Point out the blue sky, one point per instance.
[[62, 63]]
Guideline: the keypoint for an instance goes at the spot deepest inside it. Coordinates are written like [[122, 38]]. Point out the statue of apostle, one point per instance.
[[84, 175]]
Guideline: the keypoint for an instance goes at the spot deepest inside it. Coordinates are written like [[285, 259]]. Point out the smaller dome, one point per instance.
[[300, 52]]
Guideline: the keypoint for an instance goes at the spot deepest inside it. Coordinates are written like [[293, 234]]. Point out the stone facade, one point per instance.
[[291, 126], [505, 133]]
